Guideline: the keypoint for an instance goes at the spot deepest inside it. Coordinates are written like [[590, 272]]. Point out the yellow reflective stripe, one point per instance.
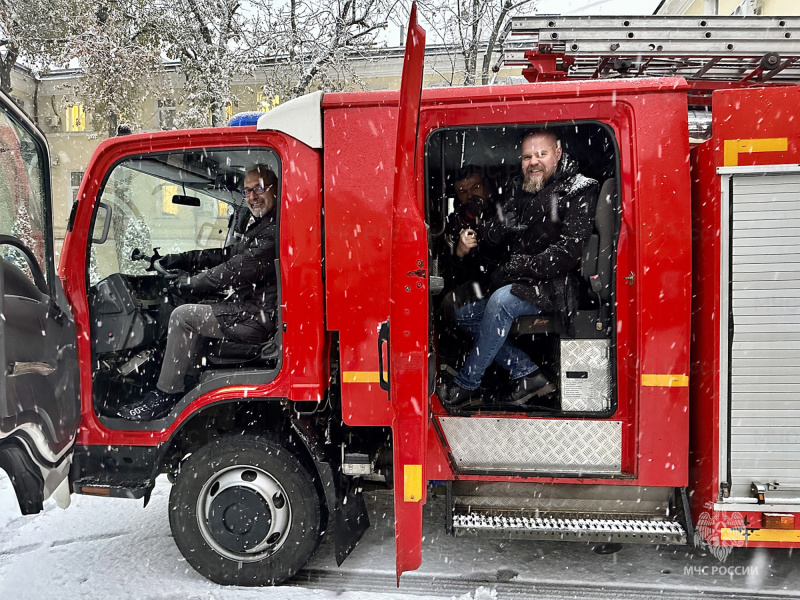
[[360, 377], [760, 535], [665, 380], [733, 148], [412, 483]]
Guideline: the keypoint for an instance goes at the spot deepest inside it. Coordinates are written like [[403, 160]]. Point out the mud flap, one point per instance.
[[25, 477], [350, 518]]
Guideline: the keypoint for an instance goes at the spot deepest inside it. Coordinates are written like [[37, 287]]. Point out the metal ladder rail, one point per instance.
[[711, 48]]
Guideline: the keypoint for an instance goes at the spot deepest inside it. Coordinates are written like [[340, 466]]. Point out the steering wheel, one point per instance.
[[155, 264], [165, 273]]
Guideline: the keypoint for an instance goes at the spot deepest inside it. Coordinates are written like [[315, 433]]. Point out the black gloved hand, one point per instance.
[[166, 272], [181, 285], [172, 261]]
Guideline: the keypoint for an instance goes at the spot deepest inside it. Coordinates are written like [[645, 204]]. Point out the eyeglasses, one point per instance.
[[258, 189]]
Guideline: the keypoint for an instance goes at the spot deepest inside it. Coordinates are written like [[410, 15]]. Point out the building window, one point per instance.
[[166, 113], [224, 209], [265, 103], [167, 207], [75, 178], [75, 118], [228, 111]]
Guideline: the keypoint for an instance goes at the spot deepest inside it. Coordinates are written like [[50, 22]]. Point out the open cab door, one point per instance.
[[408, 316], [39, 390]]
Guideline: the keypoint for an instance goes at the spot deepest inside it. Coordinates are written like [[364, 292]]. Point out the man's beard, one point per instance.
[[532, 183]]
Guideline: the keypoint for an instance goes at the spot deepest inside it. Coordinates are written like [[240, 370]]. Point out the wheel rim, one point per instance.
[[244, 513]]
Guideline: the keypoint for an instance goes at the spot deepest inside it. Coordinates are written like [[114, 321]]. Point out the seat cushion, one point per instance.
[[228, 351]]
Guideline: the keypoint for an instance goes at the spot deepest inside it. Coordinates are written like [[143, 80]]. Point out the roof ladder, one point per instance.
[[711, 52]]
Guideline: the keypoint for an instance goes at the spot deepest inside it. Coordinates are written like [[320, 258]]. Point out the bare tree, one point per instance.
[[467, 27], [115, 42], [215, 41], [314, 40], [29, 30], [9, 42], [120, 59]]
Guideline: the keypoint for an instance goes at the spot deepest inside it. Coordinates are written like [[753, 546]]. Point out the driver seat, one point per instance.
[[223, 353]]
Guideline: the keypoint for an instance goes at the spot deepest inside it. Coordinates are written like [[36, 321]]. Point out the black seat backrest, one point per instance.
[[598, 252], [18, 284]]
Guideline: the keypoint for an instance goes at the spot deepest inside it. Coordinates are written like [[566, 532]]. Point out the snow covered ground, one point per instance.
[[112, 548]]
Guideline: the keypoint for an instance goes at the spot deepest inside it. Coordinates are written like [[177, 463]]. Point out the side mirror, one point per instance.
[[106, 223]]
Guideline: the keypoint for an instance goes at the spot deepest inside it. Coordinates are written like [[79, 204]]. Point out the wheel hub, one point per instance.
[[243, 513], [239, 518]]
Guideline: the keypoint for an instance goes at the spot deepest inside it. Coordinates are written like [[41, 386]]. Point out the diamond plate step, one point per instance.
[[640, 531], [567, 446]]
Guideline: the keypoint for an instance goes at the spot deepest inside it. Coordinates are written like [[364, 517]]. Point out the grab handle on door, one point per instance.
[[383, 339]]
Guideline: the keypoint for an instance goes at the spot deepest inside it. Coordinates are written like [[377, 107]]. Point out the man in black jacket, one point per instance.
[[467, 263], [247, 315], [464, 260], [545, 222]]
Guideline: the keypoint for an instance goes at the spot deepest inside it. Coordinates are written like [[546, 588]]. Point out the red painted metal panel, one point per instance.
[[661, 202], [758, 114], [305, 369], [500, 94], [704, 381], [408, 316], [359, 176], [752, 114]]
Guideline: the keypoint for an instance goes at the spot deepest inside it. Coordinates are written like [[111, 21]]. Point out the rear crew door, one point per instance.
[[408, 317]]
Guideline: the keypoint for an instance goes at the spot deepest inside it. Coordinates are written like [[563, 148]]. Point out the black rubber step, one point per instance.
[[113, 485]]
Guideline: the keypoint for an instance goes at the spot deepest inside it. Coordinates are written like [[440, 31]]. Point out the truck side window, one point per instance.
[[21, 194], [151, 207]]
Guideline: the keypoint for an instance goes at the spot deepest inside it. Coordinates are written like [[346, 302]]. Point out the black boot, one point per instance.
[[454, 397], [537, 384], [154, 405]]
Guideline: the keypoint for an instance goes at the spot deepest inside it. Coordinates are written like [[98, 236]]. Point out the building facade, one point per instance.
[[73, 132]]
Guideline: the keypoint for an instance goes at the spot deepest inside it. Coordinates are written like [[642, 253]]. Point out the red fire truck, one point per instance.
[[677, 418]]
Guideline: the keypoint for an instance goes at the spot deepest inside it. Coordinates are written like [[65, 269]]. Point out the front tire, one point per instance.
[[244, 511]]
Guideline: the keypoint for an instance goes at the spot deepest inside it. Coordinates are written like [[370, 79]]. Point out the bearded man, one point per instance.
[[545, 222]]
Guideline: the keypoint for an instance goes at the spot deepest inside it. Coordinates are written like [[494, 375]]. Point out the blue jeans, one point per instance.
[[489, 322]]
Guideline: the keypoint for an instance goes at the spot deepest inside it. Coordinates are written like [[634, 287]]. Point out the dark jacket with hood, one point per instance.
[[546, 243], [247, 268], [481, 261]]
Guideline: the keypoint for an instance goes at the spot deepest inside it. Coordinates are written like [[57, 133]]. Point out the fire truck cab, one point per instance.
[[271, 445]]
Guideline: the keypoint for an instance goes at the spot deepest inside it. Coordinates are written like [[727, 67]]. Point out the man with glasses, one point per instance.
[[547, 217], [246, 315]]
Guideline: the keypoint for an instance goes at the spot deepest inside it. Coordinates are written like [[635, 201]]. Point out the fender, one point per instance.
[[348, 515]]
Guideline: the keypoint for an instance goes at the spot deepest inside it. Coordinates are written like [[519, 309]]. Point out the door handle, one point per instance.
[[417, 273], [383, 339]]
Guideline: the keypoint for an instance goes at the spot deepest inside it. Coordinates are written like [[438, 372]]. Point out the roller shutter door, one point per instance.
[[765, 345]]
